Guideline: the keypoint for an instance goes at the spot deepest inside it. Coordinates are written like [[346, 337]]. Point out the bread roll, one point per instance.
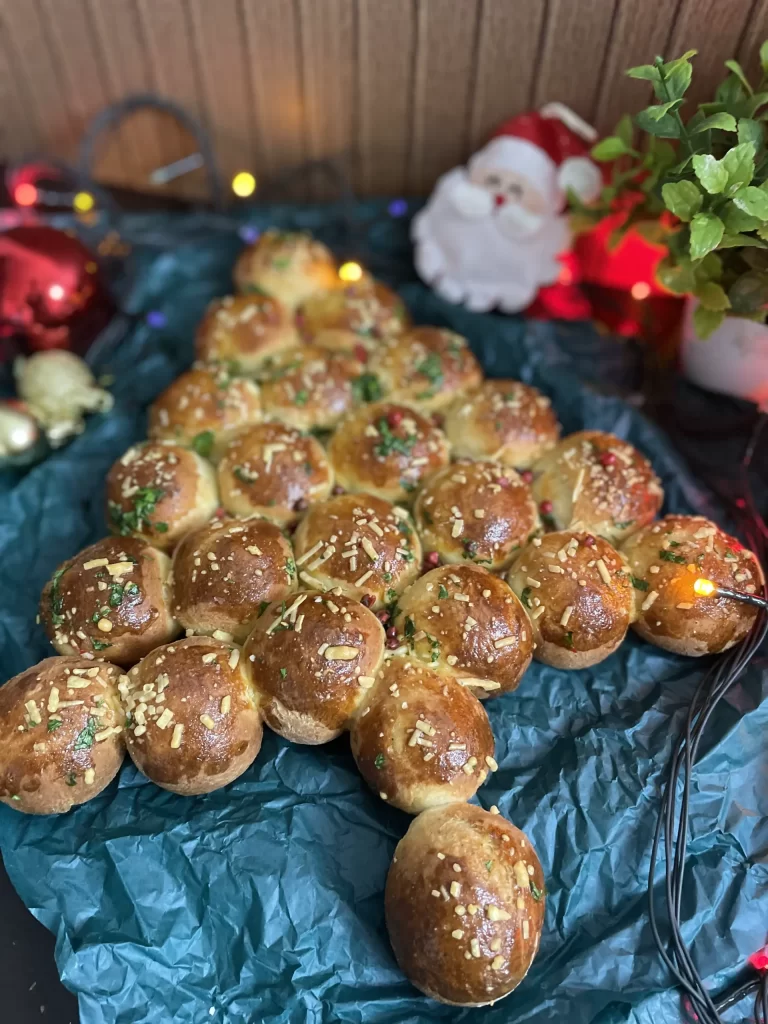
[[476, 511], [354, 318], [464, 905], [421, 739], [386, 450], [463, 620], [61, 734], [503, 420], [596, 482], [193, 722], [578, 593], [112, 600], [310, 388], [226, 571], [362, 545], [160, 491], [244, 331], [427, 367], [274, 471], [313, 658], [291, 266], [203, 408], [666, 558]]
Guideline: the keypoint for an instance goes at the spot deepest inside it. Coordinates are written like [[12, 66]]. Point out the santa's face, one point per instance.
[[518, 201]]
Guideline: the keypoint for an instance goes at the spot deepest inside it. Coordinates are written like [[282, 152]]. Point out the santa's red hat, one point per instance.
[[551, 146]]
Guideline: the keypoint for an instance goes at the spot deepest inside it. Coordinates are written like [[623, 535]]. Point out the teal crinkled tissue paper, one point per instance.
[[263, 902]]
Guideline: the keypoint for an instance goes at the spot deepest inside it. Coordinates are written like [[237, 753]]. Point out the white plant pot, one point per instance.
[[732, 361]]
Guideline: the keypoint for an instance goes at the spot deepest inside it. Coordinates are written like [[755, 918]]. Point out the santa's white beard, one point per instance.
[[487, 261]]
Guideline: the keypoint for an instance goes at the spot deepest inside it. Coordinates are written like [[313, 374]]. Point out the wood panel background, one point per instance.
[[400, 90]]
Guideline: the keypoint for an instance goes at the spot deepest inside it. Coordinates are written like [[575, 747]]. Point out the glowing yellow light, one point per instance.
[[56, 292], [350, 271], [704, 588], [640, 290], [243, 184], [83, 202]]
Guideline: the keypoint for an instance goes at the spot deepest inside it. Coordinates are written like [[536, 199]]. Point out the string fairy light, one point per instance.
[[244, 184], [350, 272], [706, 588]]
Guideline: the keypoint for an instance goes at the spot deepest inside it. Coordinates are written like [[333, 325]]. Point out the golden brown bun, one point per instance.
[[224, 571], [310, 388], [666, 558], [290, 266], [427, 367], [481, 511], [160, 491], [203, 408], [111, 601], [274, 471], [61, 734], [244, 330], [597, 482], [363, 545], [474, 947], [386, 450], [313, 657], [445, 758], [193, 720], [579, 595], [503, 420], [353, 318], [463, 620]]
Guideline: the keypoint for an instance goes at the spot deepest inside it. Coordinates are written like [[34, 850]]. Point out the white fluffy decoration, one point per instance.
[[59, 389]]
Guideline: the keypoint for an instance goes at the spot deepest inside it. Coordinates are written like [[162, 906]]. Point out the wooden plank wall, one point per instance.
[[399, 89]]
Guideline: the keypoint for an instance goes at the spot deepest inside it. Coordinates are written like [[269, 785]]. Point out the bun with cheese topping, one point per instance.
[[313, 658], [61, 734], [193, 718], [353, 318], [243, 331], [666, 558], [290, 266], [309, 388], [578, 593], [464, 905], [421, 739]]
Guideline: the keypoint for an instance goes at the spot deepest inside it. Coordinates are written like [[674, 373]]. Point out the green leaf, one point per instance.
[[658, 110], [624, 130], [736, 68], [646, 72], [666, 127], [651, 230], [85, 738], [749, 293], [764, 56], [706, 232], [682, 198], [678, 279], [705, 321], [712, 296], [609, 148], [663, 153], [202, 443], [739, 164], [737, 241], [367, 388], [677, 76], [710, 172], [726, 122], [751, 131], [752, 200], [709, 269], [736, 220], [763, 232]]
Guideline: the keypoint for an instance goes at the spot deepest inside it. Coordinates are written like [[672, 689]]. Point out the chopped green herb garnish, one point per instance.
[[203, 443], [525, 597], [379, 761], [290, 567], [160, 527], [639, 584], [625, 525], [283, 673], [391, 594], [54, 724], [137, 518], [57, 600], [432, 369], [387, 577], [667, 556], [390, 443], [302, 397], [116, 592], [241, 474], [442, 593], [86, 736], [404, 527], [434, 645], [409, 629], [488, 865], [14, 797], [367, 388], [536, 892], [406, 554], [99, 645], [568, 640], [730, 554], [71, 779]]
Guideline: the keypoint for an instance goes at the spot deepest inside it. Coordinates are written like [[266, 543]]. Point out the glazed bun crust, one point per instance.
[[194, 723], [274, 471], [667, 558], [223, 573], [290, 266], [427, 367], [245, 330], [386, 450], [475, 947], [110, 601], [160, 491], [579, 595], [597, 482], [477, 510], [61, 734], [310, 388], [353, 318], [502, 420], [313, 658], [203, 408], [462, 620], [362, 545], [446, 757]]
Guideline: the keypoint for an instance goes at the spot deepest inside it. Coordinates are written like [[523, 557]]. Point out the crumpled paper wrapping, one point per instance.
[[263, 902]]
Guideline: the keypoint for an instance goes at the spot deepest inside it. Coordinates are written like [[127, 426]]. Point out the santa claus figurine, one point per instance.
[[491, 233]]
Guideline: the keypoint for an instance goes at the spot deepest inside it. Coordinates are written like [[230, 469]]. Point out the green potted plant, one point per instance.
[[697, 182]]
